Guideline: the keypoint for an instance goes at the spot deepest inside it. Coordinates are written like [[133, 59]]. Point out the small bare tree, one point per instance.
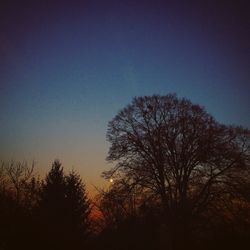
[[19, 174]]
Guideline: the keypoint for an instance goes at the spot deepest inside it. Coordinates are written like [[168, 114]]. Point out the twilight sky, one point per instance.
[[67, 67]]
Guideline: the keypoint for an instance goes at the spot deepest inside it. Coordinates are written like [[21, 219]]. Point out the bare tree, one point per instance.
[[116, 204], [175, 149], [19, 175]]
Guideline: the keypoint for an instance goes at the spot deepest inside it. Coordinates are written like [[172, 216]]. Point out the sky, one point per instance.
[[68, 67]]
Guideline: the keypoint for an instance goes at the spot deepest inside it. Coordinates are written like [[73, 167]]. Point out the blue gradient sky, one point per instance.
[[67, 67]]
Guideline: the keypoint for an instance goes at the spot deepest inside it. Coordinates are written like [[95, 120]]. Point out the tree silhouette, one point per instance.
[[18, 196], [79, 207], [177, 151], [52, 208], [64, 209]]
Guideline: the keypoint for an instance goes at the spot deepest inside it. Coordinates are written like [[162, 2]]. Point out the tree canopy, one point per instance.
[[177, 151]]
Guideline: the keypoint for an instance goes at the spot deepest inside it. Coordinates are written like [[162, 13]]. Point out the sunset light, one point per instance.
[[124, 125]]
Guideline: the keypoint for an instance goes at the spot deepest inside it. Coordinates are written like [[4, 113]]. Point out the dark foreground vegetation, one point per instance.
[[181, 181]]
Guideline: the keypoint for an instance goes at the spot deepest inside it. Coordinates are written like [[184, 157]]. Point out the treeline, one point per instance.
[[135, 219], [52, 213], [56, 213], [181, 181]]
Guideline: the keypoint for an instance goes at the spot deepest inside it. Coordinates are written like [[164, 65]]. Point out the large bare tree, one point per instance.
[[178, 151]]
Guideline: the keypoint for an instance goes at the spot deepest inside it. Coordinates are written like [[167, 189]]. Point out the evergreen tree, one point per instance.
[[78, 209], [63, 210], [52, 208]]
